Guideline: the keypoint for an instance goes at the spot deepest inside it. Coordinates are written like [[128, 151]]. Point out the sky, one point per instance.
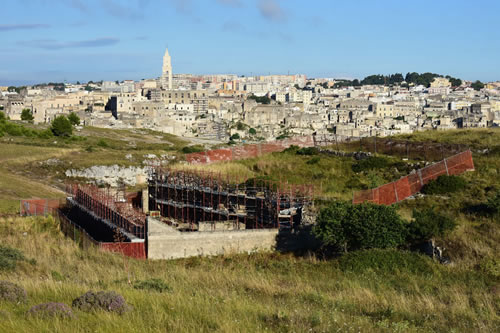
[[81, 40]]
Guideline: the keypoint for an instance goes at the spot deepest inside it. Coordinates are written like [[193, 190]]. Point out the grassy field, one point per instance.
[[35, 167], [372, 291], [395, 292]]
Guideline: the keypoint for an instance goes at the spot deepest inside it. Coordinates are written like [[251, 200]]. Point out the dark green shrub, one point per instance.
[[493, 204], [74, 119], [386, 261], [370, 163], [240, 126], [192, 149], [102, 143], [2, 116], [444, 184], [292, 149], [45, 134], [282, 136], [345, 226], [101, 300], [314, 160], [427, 224], [309, 151], [13, 129], [252, 131], [26, 115], [61, 126], [12, 292], [235, 136], [157, 285], [9, 257]]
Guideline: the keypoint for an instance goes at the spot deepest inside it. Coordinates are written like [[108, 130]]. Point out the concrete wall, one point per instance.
[[164, 242]]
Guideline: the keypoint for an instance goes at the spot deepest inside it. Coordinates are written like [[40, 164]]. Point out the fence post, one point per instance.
[[395, 191], [446, 166]]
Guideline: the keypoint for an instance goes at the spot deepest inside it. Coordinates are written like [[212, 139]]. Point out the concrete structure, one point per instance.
[[165, 242]]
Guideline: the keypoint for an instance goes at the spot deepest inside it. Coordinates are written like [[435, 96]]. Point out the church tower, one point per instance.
[[166, 75]]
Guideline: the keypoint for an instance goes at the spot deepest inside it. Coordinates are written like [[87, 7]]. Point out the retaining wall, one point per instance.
[[164, 242], [407, 186]]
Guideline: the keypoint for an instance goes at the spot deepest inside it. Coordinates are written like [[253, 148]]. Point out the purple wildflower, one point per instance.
[[51, 309], [12, 292]]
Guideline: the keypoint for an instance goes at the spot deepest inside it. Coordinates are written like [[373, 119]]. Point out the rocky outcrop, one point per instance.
[[112, 175]]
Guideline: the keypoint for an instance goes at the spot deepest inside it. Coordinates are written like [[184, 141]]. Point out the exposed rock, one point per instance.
[[112, 175]]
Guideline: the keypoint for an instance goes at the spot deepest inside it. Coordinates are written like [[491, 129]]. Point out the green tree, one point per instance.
[[346, 227], [26, 115], [427, 224], [74, 119], [61, 126], [478, 85], [235, 136], [252, 131]]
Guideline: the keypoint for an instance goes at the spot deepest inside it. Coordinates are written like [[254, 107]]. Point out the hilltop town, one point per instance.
[[226, 107]]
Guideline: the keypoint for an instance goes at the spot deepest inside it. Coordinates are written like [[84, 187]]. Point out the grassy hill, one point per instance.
[[376, 290]]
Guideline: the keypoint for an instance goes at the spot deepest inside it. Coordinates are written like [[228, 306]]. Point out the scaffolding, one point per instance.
[[188, 199], [110, 206]]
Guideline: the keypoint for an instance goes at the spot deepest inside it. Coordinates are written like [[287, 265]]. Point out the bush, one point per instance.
[[26, 115], [385, 261], [345, 226], [9, 257], [102, 143], [235, 136], [370, 163], [444, 184], [493, 204], [314, 160], [192, 149], [51, 309], [252, 131], [2, 116], [157, 285], [102, 300], [427, 224], [308, 151], [61, 126], [240, 126], [490, 266], [45, 134], [74, 119], [12, 292]]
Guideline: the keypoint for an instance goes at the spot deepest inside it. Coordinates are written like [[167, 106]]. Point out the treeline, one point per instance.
[[415, 78]]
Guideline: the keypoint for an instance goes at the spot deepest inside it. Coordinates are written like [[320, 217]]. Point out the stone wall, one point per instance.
[[165, 242]]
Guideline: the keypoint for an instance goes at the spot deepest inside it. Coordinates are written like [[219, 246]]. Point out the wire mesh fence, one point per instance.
[[407, 186]]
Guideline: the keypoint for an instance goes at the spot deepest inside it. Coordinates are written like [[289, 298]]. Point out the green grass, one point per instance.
[[371, 291], [246, 293]]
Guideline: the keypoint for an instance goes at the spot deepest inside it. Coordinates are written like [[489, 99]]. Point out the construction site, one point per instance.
[[185, 213], [191, 201]]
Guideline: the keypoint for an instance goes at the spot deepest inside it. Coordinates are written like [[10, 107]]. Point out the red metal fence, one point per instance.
[[133, 250], [409, 185], [247, 151], [34, 207]]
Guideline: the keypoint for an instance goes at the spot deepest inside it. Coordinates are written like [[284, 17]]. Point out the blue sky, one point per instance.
[[56, 40]]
